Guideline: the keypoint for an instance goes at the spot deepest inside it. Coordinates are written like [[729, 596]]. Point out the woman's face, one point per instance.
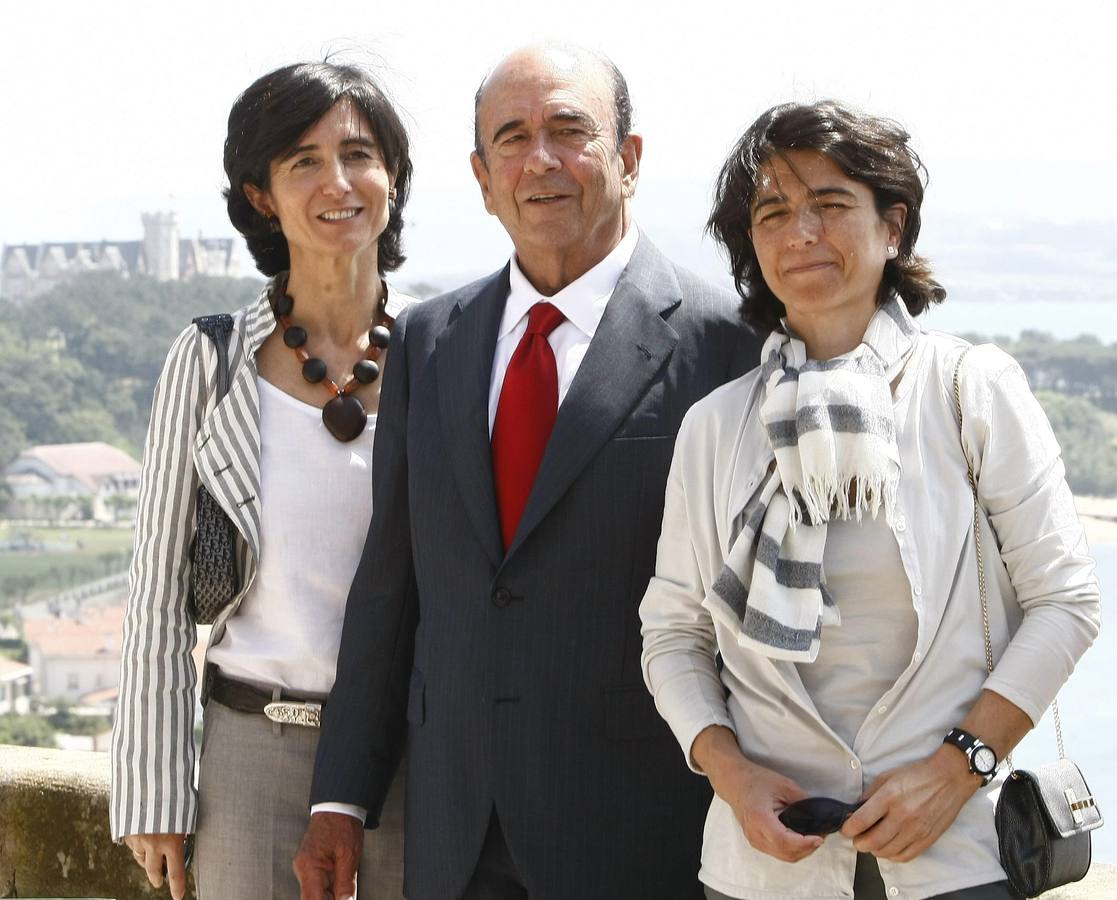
[[330, 191], [819, 239]]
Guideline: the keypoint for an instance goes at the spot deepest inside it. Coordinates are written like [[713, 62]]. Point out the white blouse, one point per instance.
[[860, 659], [316, 503]]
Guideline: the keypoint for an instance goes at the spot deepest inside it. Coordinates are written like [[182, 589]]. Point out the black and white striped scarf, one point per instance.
[[833, 435]]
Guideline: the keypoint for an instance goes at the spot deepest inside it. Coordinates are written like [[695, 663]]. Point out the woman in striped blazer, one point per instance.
[[319, 170]]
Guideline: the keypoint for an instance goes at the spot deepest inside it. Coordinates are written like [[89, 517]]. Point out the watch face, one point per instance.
[[984, 760]]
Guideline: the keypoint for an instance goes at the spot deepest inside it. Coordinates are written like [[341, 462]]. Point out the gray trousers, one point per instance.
[[252, 812]]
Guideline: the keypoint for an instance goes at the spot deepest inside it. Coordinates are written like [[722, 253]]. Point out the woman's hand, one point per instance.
[[907, 809], [159, 855], [755, 794]]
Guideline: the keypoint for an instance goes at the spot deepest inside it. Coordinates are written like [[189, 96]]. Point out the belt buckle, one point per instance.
[[294, 712]]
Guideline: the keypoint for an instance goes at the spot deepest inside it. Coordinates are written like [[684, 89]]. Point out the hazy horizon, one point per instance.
[[114, 109]]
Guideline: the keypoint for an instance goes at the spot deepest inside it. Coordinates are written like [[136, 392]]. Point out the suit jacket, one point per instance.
[[517, 674]]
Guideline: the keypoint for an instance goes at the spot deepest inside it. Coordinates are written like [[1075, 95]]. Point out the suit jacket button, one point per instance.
[[502, 597]]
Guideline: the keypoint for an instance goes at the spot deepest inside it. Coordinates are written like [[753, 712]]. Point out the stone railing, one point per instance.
[[54, 829], [54, 833]]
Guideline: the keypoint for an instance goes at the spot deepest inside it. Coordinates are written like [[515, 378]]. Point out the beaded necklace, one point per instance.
[[343, 415]]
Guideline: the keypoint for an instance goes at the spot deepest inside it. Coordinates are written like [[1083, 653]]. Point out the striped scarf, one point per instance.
[[832, 433]]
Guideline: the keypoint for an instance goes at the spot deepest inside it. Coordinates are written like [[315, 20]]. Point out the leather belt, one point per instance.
[[288, 710]]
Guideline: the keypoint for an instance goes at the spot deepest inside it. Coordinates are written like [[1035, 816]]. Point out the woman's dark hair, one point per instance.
[[268, 119], [866, 148]]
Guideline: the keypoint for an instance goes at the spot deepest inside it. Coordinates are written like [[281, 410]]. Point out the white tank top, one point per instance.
[[316, 502], [860, 659]]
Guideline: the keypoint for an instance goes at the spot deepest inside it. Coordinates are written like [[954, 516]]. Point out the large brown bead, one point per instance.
[[366, 371], [344, 417], [314, 370], [379, 336]]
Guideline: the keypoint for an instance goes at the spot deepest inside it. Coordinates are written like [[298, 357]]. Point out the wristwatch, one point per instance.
[[981, 757]]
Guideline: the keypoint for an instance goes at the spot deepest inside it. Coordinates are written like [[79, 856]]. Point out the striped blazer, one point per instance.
[[191, 440]]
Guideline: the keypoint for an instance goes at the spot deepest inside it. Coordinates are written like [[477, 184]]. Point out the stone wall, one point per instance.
[[54, 829], [54, 833]]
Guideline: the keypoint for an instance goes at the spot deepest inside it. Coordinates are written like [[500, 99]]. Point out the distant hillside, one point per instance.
[[80, 363]]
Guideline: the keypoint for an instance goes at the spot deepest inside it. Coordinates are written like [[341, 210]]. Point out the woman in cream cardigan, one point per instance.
[[319, 169], [818, 537]]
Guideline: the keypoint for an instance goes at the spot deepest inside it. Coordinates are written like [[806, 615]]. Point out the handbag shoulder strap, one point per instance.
[[218, 328], [981, 583]]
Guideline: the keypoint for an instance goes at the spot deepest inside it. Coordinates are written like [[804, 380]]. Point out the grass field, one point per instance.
[[60, 558]]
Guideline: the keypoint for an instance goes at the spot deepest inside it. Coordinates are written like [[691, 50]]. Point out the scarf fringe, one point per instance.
[[828, 499]]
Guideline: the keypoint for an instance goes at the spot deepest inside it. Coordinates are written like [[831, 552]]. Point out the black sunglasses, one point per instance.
[[818, 815]]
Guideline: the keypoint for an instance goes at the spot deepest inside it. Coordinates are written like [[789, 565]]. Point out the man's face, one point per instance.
[[551, 171]]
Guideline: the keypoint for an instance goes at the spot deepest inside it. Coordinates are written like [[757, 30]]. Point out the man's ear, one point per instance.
[[481, 173], [632, 148], [260, 200]]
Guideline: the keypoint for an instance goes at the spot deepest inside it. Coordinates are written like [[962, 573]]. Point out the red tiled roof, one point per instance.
[[96, 633], [88, 462]]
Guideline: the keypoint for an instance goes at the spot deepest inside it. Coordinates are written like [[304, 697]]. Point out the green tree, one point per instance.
[[65, 720], [26, 731], [1087, 440], [115, 333]]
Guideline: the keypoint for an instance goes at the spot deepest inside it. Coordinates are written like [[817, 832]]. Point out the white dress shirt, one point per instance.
[[1044, 611], [583, 303]]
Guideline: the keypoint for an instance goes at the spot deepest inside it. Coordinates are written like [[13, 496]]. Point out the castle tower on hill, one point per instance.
[[161, 244], [27, 270]]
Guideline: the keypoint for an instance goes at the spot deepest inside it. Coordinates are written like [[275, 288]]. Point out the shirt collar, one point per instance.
[[582, 301]]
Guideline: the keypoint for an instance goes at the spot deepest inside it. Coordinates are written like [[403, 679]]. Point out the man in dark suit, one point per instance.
[[525, 433]]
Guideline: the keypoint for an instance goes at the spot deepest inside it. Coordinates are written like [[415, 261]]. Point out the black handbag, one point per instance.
[[214, 579], [1044, 817]]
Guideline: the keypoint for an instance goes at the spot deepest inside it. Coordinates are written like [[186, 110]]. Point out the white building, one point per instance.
[[27, 270], [105, 476], [15, 686], [75, 655]]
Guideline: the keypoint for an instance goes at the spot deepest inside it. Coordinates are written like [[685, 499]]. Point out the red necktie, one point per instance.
[[525, 416]]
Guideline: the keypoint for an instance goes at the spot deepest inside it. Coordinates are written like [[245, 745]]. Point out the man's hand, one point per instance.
[[907, 809], [326, 864], [755, 794], [160, 854]]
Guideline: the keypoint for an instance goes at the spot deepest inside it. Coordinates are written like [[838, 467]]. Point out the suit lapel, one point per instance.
[[630, 346], [464, 359]]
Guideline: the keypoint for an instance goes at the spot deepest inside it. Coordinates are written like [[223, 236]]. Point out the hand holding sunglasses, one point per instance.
[[817, 815]]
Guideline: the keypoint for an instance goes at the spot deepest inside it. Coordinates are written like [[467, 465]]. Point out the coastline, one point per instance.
[[1099, 518]]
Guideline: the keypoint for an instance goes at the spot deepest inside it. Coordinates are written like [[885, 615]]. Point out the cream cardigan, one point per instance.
[[1044, 612]]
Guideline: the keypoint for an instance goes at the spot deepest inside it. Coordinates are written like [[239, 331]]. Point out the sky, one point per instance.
[[110, 109]]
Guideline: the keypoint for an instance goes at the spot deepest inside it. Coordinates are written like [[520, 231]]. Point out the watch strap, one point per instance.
[[969, 744]]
